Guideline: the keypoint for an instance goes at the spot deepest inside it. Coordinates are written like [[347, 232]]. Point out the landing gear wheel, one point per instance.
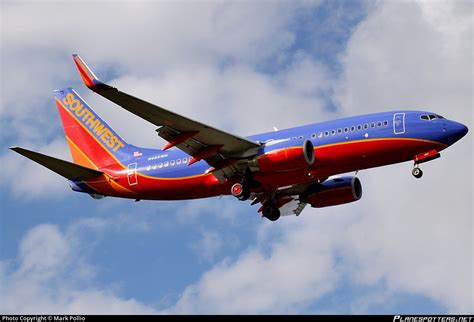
[[417, 172], [240, 192], [271, 212]]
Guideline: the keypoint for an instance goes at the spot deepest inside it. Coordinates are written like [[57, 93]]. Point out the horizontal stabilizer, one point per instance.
[[66, 169]]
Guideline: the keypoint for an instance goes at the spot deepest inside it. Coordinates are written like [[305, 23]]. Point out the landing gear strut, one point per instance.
[[270, 211], [417, 172]]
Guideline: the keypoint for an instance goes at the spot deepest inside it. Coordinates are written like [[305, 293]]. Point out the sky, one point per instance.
[[406, 247]]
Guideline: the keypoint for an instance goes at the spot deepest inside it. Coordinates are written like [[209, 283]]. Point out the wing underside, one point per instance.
[[223, 151]]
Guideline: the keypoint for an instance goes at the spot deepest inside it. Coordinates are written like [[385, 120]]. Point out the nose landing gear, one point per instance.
[[421, 158], [417, 172]]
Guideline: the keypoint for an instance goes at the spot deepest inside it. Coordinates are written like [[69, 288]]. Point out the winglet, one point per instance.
[[89, 78]]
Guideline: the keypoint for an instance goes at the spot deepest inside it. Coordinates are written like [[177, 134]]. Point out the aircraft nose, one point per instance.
[[456, 131], [460, 130]]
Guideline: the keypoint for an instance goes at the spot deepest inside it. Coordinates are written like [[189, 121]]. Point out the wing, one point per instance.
[[221, 150]]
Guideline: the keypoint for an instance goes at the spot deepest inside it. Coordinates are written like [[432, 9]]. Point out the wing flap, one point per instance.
[[66, 169]]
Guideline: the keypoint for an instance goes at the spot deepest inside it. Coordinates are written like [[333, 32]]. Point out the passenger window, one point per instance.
[[366, 126], [160, 165], [313, 136], [301, 136], [385, 123], [379, 124], [178, 162], [154, 166], [346, 129], [148, 167], [320, 134], [185, 160], [166, 164], [326, 133], [172, 163], [353, 128], [359, 127], [333, 132], [372, 124]]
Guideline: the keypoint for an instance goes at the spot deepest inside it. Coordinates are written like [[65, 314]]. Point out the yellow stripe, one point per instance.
[[178, 178], [358, 141], [382, 139]]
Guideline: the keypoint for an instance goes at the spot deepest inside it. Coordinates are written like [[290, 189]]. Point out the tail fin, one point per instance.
[[92, 142]]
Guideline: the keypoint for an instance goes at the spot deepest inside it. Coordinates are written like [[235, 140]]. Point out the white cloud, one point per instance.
[[28, 179], [51, 277], [208, 245], [257, 283]]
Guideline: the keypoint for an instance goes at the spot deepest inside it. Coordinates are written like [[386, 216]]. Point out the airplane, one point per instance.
[[283, 170]]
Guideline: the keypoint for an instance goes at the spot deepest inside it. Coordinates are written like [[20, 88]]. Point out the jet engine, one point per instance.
[[278, 157], [332, 192]]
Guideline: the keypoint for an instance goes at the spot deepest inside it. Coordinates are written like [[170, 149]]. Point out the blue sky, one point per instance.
[[244, 67]]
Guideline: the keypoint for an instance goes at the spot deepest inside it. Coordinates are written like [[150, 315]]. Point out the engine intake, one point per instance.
[[334, 192], [275, 159]]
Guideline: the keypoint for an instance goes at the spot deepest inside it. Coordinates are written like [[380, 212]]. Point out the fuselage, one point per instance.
[[340, 146]]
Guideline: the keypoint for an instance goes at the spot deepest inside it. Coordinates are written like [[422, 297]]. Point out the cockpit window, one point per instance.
[[431, 117]]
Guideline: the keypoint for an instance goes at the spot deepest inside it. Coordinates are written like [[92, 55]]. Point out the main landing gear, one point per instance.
[[270, 211]]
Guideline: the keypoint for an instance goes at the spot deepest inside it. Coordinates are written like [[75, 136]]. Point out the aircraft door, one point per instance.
[[399, 123], [132, 174]]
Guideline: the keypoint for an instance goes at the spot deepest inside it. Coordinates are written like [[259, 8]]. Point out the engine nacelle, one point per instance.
[[334, 192], [275, 159]]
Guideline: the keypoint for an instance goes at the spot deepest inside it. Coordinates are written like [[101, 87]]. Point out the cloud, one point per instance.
[[51, 277], [208, 245], [298, 268], [27, 179]]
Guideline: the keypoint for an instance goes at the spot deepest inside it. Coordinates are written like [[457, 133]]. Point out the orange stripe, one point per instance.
[[109, 179]]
